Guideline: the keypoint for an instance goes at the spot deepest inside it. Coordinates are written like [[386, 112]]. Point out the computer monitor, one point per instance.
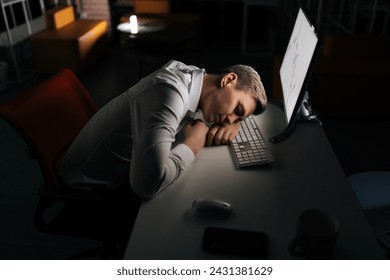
[[296, 69]]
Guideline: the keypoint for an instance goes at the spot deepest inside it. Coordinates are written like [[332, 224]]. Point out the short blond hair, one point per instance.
[[249, 81]]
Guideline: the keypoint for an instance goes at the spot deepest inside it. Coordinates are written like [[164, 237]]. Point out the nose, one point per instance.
[[231, 118]]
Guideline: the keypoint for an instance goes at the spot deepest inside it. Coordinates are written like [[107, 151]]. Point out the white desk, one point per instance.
[[305, 174]]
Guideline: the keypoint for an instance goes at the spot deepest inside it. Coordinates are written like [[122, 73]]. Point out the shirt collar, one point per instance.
[[195, 89]]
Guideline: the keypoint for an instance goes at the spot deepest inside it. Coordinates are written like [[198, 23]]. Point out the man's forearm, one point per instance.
[[193, 145]]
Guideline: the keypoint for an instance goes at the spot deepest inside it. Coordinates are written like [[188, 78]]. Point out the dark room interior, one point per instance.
[[348, 88]]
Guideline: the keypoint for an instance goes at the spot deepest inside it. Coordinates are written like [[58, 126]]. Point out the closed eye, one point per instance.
[[239, 111]]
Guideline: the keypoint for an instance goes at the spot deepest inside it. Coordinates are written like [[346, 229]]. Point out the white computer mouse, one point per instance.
[[211, 207]]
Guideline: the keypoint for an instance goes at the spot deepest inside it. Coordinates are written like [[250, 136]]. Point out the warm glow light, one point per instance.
[[133, 24]]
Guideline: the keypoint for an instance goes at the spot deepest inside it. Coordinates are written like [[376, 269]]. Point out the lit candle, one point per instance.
[[133, 24]]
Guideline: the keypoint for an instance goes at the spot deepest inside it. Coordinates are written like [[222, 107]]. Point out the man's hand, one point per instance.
[[221, 134], [195, 135]]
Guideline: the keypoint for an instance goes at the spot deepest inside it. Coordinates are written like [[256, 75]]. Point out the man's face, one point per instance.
[[228, 105]]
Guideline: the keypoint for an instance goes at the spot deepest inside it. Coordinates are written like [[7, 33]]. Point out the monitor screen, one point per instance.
[[295, 72]]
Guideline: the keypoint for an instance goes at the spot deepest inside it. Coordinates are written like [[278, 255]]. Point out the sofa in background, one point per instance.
[[67, 42]]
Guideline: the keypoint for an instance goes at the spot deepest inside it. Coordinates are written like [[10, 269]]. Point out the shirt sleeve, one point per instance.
[[156, 115]]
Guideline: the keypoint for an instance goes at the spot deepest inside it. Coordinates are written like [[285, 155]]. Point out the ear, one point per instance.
[[228, 79]]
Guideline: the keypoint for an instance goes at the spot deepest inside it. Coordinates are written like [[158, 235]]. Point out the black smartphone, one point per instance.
[[235, 241]]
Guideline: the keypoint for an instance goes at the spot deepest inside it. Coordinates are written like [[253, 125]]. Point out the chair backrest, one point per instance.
[[59, 17], [48, 117]]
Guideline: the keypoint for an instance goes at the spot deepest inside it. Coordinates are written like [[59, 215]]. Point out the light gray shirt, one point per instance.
[[135, 134]]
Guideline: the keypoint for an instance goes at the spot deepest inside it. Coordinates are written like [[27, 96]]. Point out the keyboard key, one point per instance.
[[249, 147]]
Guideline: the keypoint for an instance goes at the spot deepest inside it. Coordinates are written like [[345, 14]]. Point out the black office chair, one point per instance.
[[48, 117], [372, 190]]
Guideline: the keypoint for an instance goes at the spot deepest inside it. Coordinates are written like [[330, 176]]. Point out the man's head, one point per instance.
[[237, 93], [249, 81]]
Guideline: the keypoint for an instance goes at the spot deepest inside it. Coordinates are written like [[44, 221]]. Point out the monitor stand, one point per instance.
[[305, 114]]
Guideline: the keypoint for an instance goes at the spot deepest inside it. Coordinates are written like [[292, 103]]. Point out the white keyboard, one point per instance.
[[248, 147]]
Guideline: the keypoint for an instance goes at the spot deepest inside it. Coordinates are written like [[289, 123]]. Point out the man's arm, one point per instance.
[[155, 164], [221, 134], [195, 135]]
